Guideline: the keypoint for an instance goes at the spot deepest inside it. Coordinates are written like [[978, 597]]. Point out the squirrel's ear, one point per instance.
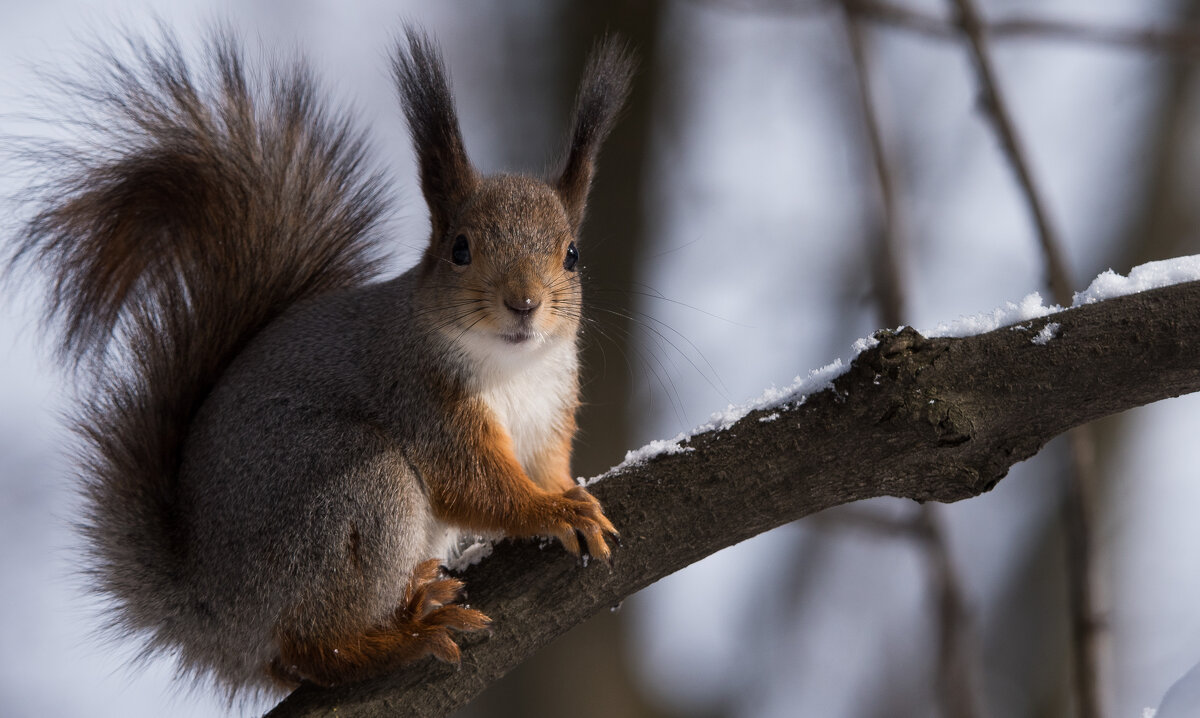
[[602, 92], [447, 177]]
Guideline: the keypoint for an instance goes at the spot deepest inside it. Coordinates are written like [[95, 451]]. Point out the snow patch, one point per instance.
[[1029, 308], [656, 448], [1107, 285], [792, 394], [1150, 275], [469, 555], [1048, 332], [861, 345]]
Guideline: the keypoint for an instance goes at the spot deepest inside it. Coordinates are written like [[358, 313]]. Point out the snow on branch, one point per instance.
[[926, 418]]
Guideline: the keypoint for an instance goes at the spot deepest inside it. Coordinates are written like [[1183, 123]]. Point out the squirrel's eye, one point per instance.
[[461, 252], [572, 258]]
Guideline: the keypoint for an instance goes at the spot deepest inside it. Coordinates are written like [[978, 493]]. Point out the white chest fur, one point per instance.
[[527, 388]]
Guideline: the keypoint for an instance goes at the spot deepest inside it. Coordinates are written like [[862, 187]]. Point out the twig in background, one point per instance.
[[1001, 116], [1181, 41], [957, 658], [958, 653], [1085, 595], [885, 265], [1088, 626]]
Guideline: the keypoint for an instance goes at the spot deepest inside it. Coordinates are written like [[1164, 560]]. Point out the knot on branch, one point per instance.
[[897, 346], [927, 428], [901, 356], [951, 425]]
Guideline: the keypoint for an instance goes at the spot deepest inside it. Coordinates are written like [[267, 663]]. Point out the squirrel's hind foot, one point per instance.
[[429, 612], [420, 627]]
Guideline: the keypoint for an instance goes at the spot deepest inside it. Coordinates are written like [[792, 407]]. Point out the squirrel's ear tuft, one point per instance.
[[602, 92], [447, 177]]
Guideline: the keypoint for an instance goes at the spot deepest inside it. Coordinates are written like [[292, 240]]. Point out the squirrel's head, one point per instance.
[[502, 264]]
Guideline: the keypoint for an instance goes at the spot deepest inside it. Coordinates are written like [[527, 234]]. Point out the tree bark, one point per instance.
[[927, 419]]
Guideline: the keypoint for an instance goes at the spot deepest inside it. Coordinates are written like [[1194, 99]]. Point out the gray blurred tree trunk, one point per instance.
[[586, 673]]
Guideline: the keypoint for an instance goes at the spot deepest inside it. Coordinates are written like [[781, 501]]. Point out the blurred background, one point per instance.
[[733, 242]]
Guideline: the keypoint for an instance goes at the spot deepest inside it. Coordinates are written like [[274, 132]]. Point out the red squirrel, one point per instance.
[[277, 446]]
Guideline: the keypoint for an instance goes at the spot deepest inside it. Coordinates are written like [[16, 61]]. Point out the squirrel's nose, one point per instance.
[[522, 307]]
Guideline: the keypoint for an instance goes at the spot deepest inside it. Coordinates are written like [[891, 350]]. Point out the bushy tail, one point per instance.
[[202, 202]]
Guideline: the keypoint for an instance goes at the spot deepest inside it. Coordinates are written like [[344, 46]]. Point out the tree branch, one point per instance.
[[927, 419]]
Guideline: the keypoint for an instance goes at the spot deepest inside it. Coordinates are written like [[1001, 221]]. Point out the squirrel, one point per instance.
[[278, 445]]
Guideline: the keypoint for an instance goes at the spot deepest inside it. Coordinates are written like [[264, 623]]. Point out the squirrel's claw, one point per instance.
[[570, 541], [586, 526]]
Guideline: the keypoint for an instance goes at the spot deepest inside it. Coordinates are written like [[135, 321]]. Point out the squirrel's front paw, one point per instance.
[[582, 517]]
